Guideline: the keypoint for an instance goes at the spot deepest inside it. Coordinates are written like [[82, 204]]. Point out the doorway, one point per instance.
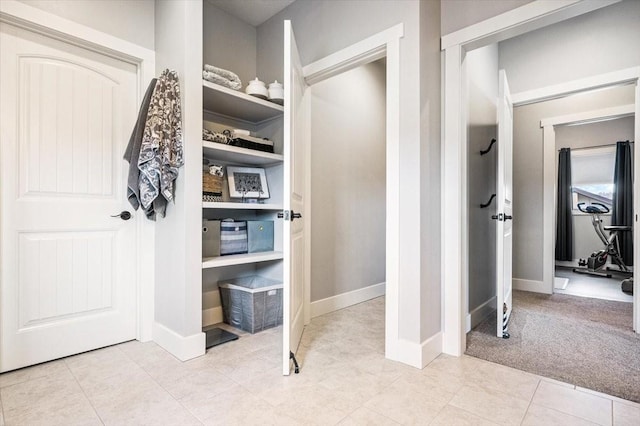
[[348, 191]]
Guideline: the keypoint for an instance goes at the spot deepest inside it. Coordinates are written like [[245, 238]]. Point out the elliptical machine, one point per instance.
[[595, 264]]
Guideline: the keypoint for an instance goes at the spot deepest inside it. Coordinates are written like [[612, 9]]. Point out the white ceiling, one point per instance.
[[253, 12]]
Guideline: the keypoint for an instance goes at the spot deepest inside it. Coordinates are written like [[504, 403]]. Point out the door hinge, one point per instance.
[[284, 214]]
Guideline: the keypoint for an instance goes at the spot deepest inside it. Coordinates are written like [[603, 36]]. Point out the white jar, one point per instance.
[[257, 88], [276, 92]]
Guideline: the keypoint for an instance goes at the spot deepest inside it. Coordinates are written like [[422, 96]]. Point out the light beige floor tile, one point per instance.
[[570, 401], [490, 404], [316, 405], [365, 417], [274, 388], [625, 414], [508, 380], [408, 402], [236, 406], [538, 415], [47, 401], [558, 382], [1, 413], [48, 369], [203, 383], [606, 396], [92, 368], [453, 416]]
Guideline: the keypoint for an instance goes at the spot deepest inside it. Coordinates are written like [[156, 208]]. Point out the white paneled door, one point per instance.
[[504, 230], [68, 279], [296, 142]]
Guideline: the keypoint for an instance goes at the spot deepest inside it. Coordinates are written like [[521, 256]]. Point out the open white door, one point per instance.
[[68, 267], [504, 205], [296, 141]]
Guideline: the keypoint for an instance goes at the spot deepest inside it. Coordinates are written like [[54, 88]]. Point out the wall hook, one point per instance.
[[486, 151], [488, 203]]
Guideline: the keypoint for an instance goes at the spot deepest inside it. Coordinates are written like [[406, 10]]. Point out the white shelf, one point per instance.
[[240, 206], [240, 259], [235, 154], [232, 103]]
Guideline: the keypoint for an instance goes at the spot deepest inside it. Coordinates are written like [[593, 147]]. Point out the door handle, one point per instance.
[[295, 215], [507, 217], [289, 215], [124, 215]]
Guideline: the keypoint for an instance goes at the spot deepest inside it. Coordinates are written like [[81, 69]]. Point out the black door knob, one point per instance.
[[507, 217], [124, 215]]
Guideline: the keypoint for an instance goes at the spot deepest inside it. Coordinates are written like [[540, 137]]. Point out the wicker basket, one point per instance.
[[211, 184]]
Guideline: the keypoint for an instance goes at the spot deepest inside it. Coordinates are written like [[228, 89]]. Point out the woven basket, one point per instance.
[[211, 184]]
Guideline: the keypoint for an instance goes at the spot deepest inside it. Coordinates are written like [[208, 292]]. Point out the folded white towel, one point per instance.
[[221, 76]]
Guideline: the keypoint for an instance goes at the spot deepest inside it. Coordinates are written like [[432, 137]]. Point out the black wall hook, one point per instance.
[[488, 203], [486, 151]]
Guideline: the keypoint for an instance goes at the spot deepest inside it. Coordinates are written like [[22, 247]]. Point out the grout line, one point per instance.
[[83, 392], [530, 401]]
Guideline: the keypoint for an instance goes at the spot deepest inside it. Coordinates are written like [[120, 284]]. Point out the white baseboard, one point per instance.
[[528, 285], [431, 348], [340, 301], [417, 355], [212, 316], [183, 348], [479, 314]]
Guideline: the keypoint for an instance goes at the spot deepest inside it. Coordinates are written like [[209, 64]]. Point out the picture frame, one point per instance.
[[247, 182]]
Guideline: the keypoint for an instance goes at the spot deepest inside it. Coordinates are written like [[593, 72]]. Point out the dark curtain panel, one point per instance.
[[622, 213], [564, 218]]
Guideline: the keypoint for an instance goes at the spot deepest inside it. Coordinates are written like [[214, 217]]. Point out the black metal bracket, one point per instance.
[[488, 203], [295, 363], [486, 151]]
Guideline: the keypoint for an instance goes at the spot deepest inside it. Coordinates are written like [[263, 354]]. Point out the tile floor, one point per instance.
[[344, 380]]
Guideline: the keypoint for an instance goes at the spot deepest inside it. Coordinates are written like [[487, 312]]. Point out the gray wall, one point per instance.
[[597, 42], [457, 14], [607, 132], [482, 80], [229, 43], [348, 181], [528, 165], [129, 20], [323, 27]]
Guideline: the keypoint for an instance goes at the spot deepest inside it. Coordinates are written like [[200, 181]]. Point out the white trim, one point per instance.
[[343, 60], [590, 116], [595, 82], [53, 26], [183, 348], [431, 348], [360, 53], [549, 181], [480, 313], [23, 15], [526, 18], [529, 285], [212, 316], [636, 209], [344, 300]]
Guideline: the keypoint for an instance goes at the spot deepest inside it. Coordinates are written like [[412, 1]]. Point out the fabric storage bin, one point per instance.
[[233, 237], [210, 238], [260, 235], [251, 303]]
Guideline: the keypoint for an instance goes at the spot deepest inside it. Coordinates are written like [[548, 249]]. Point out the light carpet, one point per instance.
[[583, 341]]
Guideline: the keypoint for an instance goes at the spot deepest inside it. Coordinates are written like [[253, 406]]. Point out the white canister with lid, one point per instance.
[[257, 88], [276, 92]]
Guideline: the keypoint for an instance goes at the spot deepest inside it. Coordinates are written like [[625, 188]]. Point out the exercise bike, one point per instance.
[[596, 263]]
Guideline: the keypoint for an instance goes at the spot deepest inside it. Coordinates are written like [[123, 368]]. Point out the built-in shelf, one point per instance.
[[232, 103], [240, 259], [238, 155], [241, 206]]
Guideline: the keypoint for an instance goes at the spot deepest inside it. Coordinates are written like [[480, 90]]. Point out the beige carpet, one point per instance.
[[583, 341]]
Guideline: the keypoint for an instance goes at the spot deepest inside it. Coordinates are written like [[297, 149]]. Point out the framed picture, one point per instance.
[[247, 182]]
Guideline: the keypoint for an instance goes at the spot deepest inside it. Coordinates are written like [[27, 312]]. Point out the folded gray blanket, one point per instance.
[[222, 77]]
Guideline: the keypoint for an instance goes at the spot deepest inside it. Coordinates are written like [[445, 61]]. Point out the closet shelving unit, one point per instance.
[[226, 108]]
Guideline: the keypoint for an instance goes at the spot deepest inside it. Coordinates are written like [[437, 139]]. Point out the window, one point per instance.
[[592, 175]]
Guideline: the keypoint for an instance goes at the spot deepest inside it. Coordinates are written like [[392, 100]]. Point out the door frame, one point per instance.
[[383, 44], [32, 19], [454, 234], [550, 186]]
